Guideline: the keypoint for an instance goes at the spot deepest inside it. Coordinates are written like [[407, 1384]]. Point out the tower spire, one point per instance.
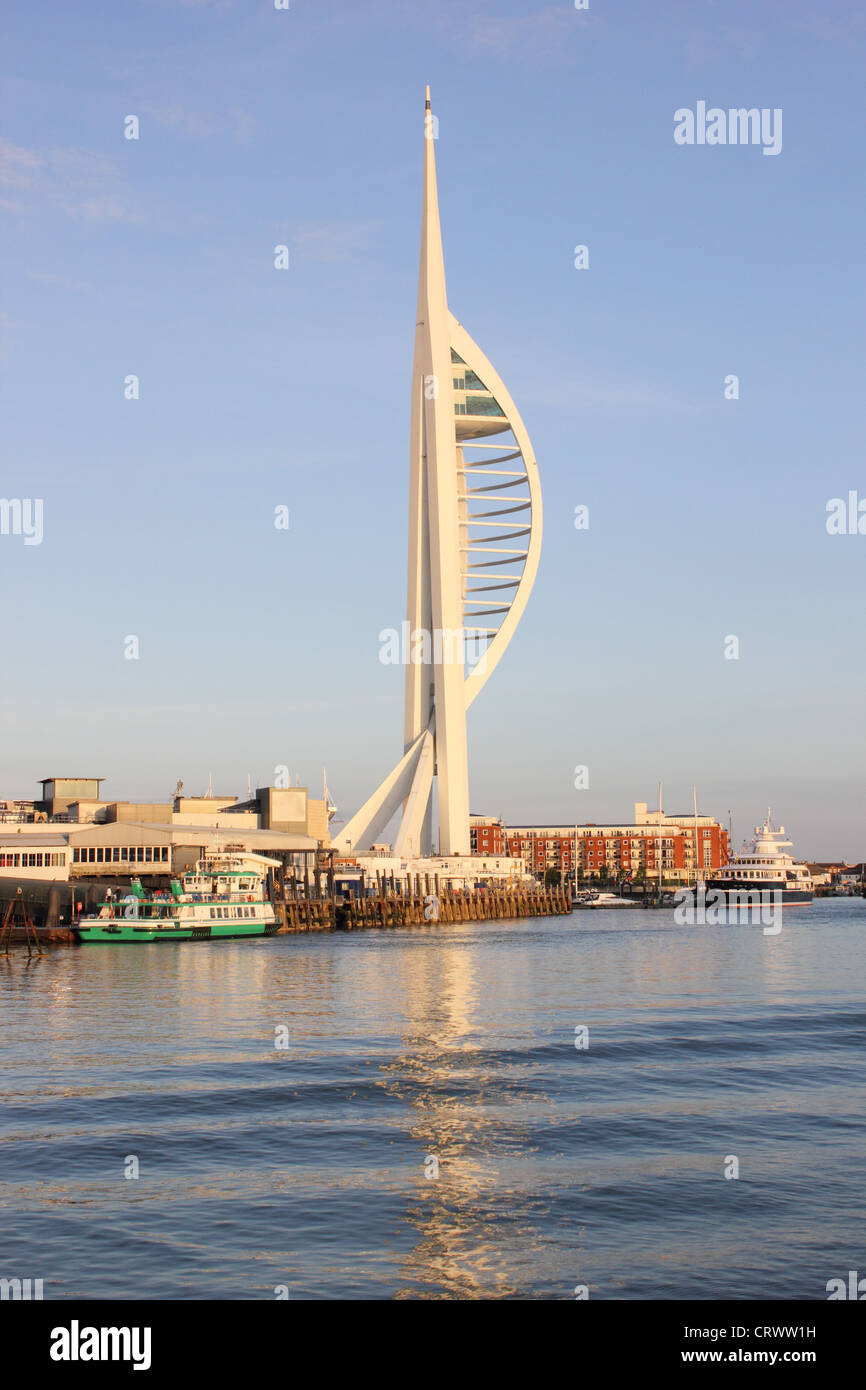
[[463, 529], [434, 469]]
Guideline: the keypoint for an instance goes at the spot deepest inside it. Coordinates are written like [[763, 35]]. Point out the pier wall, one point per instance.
[[415, 908]]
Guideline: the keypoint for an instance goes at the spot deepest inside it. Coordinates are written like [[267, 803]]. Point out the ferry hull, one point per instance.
[[136, 934]]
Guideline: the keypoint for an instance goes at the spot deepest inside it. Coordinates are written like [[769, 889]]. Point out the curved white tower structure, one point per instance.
[[474, 545]]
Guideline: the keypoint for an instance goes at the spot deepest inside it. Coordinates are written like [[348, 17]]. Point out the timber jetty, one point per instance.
[[423, 903]]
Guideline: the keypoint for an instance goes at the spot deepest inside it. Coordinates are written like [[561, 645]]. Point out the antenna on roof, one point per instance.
[[330, 804]]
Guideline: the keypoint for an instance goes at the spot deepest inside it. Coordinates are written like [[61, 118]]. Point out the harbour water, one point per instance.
[[310, 1168]]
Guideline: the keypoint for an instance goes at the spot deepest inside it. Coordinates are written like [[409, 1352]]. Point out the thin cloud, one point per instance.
[[702, 48], [18, 165], [584, 396], [197, 124], [60, 282], [202, 125], [332, 241], [80, 182], [195, 4], [485, 31]]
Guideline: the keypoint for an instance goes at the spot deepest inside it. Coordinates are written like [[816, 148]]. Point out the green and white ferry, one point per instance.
[[221, 899]]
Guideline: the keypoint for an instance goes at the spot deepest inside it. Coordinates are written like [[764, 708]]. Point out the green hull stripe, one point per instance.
[[137, 936]]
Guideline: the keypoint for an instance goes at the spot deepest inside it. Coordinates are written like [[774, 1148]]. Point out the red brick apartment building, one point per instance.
[[619, 852], [487, 835]]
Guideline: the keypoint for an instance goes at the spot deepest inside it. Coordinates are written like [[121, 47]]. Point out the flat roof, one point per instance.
[[605, 824], [43, 780], [11, 840], [116, 831]]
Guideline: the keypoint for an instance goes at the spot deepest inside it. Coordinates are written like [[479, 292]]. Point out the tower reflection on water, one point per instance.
[[466, 1118]]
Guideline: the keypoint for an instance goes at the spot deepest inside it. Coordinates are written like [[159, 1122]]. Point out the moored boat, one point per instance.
[[765, 867], [221, 899], [595, 900]]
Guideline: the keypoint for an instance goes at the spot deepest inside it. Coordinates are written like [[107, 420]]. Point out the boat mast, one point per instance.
[[695, 799], [659, 846]]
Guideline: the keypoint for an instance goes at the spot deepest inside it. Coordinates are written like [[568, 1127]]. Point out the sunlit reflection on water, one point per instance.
[[431, 1131]]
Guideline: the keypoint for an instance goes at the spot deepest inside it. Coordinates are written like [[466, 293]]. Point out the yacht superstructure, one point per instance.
[[765, 866]]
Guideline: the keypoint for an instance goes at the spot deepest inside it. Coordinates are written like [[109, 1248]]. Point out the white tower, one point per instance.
[[465, 561]]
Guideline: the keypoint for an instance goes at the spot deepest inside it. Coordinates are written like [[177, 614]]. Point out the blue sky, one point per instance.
[[260, 647]]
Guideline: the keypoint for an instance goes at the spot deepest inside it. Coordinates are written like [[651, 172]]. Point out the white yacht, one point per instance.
[[765, 866]]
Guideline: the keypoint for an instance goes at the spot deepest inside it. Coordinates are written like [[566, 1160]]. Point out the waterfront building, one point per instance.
[[822, 875], [124, 850], [487, 835], [45, 856], [72, 833], [459, 872], [474, 546], [626, 851], [272, 808], [59, 792], [705, 844]]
